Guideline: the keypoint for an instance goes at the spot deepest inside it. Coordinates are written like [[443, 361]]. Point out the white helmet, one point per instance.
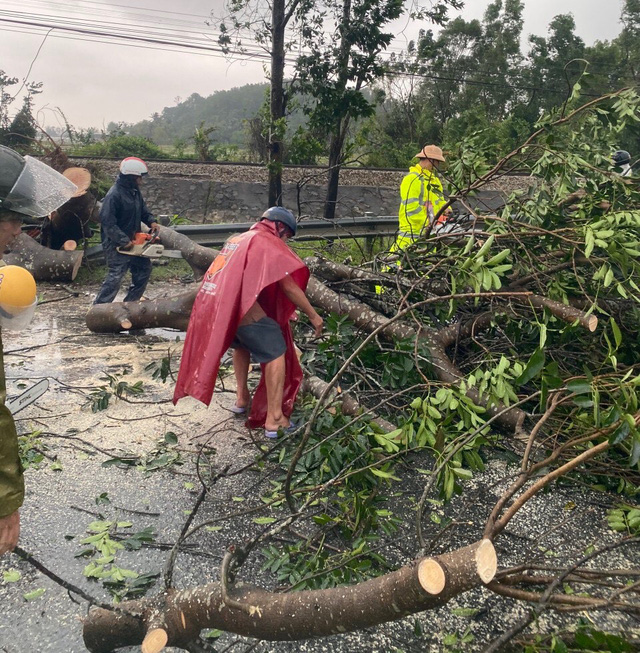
[[132, 165]]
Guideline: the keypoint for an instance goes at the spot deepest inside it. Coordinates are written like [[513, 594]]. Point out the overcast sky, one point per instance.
[[95, 83]]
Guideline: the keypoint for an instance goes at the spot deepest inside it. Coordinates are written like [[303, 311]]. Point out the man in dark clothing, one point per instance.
[[123, 210]]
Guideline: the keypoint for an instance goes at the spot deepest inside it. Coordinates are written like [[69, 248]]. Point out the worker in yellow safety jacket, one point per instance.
[[421, 197]]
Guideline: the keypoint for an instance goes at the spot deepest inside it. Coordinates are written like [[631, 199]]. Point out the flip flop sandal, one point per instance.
[[272, 435], [238, 410]]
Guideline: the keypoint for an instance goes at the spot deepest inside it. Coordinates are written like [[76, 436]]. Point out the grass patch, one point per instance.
[[174, 269], [356, 250]]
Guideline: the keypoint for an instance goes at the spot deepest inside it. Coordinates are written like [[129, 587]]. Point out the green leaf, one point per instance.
[[543, 335], [11, 576], [499, 257], [532, 368], [589, 242], [264, 520], [170, 437], [579, 386], [36, 594], [214, 633], [383, 474], [617, 335], [635, 451], [620, 433], [485, 248]]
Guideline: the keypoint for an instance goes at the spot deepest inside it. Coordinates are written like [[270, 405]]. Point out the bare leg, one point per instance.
[[274, 373], [241, 360]]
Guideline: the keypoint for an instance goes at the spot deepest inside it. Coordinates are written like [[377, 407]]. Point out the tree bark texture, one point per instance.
[[349, 406], [278, 25], [197, 256], [172, 312], [70, 221], [424, 585], [45, 264], [339, 271]]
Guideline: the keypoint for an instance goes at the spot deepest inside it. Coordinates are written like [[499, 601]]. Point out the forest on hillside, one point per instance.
[[469, 77], [478, 77]]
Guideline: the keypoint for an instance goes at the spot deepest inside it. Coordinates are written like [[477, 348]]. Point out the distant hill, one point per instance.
[[224, 110]]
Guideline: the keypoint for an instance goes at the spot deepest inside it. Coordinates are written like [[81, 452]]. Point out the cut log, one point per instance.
[[45, 264], [155, 641], [427, 584], [71, 220], [172, 312]]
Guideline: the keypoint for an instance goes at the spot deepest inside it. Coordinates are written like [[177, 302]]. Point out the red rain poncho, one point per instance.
[[247, 270]]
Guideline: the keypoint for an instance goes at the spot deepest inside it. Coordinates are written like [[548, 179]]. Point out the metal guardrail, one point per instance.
[[215, 235], [212, 235]]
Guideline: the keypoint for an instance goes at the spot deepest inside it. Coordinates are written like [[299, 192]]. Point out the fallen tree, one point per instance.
[[45, 264], [176, 619], [71, 221], [532, 327]]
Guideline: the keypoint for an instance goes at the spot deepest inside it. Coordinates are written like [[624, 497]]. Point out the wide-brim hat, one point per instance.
[[81, 177], [430, 152]]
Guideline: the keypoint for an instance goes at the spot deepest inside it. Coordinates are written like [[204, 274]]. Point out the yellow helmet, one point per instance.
[[18, 297]]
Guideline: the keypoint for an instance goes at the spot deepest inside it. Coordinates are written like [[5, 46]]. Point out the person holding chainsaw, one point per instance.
[[28, 187], [121, 216]]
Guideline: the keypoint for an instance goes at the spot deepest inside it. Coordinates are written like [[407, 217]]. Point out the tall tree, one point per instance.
[[268, 24], [629, 39], [336, 71]]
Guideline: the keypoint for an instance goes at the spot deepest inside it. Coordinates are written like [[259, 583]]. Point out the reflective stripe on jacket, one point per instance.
[[11, 481], [421, 197]]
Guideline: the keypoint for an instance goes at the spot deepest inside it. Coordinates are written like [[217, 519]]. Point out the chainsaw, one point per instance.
[[15, 404], [145, 245]]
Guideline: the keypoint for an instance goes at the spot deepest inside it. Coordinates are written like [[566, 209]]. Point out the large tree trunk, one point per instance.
[[45, 264], [171, 312], [71, 221], [348, 405], [197, 256], [333, 175], [175, 619]]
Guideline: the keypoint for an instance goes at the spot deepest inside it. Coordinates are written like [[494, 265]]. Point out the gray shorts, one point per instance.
[[263, 339]]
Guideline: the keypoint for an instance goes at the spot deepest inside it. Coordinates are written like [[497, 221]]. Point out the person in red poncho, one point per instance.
[[247, 297]]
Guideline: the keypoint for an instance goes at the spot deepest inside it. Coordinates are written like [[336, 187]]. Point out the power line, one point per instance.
[[133, 37], [82, 31]]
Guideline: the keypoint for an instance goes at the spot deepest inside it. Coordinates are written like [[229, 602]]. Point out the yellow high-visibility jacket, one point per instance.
[[421, 197]]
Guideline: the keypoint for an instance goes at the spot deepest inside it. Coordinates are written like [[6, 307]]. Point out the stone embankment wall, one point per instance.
[[239, 193]]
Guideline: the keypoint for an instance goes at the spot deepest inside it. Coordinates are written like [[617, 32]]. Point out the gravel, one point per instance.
[[556, 526]]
